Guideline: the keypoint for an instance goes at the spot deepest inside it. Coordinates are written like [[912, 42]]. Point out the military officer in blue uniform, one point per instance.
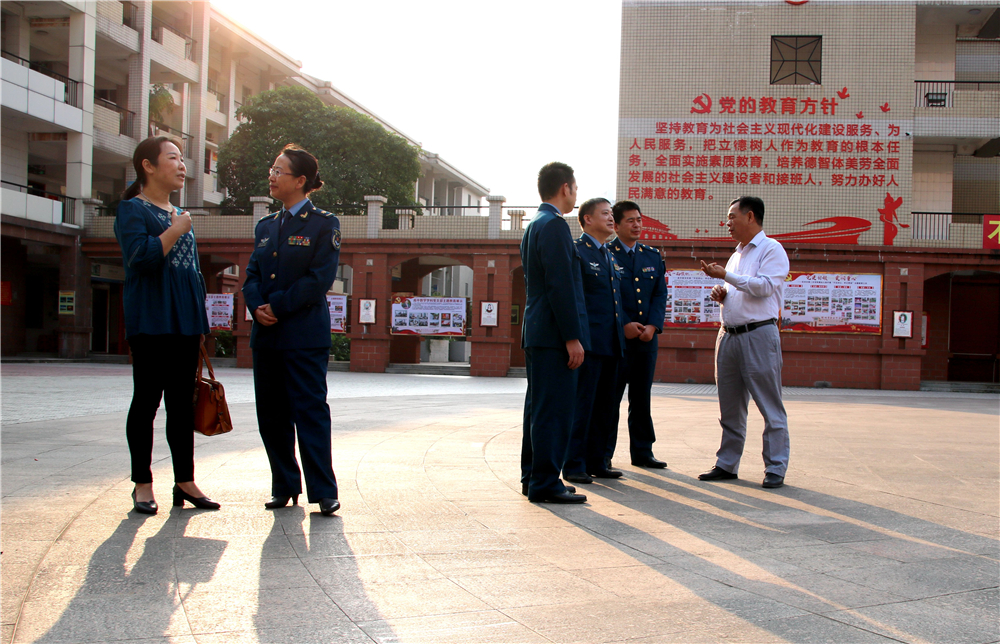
[[644, 301], [292, 267], [593, 421], [555, 336]]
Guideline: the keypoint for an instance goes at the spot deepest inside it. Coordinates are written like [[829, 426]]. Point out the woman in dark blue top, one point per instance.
[[165, 319]]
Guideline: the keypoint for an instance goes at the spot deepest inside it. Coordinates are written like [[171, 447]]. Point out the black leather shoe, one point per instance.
[[717, 474], [650, 462], [281, 501], [606, 474], [200, 502], [773, 480], [328, 506], [582, 478], [144, 507], [561, 497], [524, 489]]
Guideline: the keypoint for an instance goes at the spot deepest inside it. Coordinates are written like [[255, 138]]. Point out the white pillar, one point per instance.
[[80, 146], [375, 204], [196, 96], [496, 206], [138, 78], [260, 206]]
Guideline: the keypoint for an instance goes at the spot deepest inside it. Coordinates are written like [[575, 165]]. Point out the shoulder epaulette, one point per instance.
[[267, 216], [320, 211]]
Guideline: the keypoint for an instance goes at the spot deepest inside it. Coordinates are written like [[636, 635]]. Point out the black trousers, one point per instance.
[[162, 366], [548, 418], [636, 370], [290, 387], [593, 421]]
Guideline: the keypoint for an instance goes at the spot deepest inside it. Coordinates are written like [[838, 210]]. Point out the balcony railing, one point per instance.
[[223, 105], [156, 128], [72, 87], [173, 39], [929, 227], [68, 203], [126, 119], [942, 93], [130, 15]]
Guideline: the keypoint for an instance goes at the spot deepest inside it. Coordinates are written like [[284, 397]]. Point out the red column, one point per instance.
[[902, 290], [241, 326], [490, 354], [370, 342]]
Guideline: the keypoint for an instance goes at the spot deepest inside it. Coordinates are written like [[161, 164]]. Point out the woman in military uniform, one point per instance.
[[293, 266]]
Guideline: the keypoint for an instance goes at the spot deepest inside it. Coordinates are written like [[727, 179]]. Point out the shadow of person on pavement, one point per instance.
[[132, 588]]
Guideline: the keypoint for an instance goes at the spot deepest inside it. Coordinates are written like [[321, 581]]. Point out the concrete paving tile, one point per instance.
[[563, 536], [487, 562], [244, 573], [976, 602], [20, 551], [372, 602], [755, 539], [142, 616], [217, 610], [274, 545], [644, 582], [319, 632], [370, 569], [350, 519], [331, 544], [902, 550], [922, 579], [826, 557], [592, 556], [818, 593], [55, 583], [840, 532], [482, 627], [445, 541], [922, 620], [6, 632], [15, 580], [804, 629], [531, 589]]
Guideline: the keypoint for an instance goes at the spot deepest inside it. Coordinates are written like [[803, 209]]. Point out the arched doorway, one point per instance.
[[963, 327], [432, 276]]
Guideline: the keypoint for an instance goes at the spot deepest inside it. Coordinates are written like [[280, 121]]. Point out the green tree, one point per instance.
[[357, 156]]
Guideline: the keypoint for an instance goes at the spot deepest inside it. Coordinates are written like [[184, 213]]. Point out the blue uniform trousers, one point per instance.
[[548, 418], [635, 370], [290, 386], [594, 421]]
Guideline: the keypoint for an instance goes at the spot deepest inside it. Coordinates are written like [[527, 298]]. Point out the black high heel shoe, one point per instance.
[[281, 501], [144, 507], [204, 503]]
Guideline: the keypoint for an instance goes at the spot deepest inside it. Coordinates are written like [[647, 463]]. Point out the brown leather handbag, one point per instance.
[[211, 412]]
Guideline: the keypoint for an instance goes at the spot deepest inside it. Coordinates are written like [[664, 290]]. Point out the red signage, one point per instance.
[[991, 231]]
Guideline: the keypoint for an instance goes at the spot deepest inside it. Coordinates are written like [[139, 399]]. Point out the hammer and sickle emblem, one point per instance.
[[703, 104]]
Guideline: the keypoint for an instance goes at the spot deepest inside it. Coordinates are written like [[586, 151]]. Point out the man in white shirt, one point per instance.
[[748, 348]]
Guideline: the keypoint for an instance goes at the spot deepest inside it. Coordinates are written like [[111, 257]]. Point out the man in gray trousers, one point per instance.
[[748, 348]]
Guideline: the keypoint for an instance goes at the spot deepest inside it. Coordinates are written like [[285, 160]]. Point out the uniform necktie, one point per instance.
[[607, 259], [285, 216]]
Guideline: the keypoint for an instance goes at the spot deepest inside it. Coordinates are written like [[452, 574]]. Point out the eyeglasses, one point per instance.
[[277, 172]]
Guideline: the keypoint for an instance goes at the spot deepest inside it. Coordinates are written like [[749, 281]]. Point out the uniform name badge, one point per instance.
[[298, 240], [263, 242]]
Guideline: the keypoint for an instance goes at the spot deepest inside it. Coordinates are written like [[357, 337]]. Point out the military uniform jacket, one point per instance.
[[602, 293], [292, 271], [644, 289], [554, 309]]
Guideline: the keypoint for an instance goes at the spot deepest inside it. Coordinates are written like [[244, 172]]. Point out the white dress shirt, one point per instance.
[[755, 282]]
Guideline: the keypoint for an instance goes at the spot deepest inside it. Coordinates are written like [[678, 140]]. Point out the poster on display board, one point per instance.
[[832, 303], [428, 315], [219, 307], [688, 302], [338, 313], [813, 302]]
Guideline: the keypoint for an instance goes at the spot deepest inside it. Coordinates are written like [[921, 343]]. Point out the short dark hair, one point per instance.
[[551, 178], [753, 204], [622, 207], [589, 206], [303, 165]]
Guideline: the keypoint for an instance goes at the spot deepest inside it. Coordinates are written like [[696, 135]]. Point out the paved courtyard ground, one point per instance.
[[886, 529]]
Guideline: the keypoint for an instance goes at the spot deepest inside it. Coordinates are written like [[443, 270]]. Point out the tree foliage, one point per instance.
[[357, 156]]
